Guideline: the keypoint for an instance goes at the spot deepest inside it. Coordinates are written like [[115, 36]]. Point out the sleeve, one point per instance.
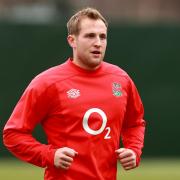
[[32, 108], [134, 126]]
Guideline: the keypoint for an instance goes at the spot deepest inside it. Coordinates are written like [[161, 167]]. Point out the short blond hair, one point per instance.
[[74, 21]]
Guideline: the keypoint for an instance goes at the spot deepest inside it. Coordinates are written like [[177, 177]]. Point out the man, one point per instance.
[[84, 106]]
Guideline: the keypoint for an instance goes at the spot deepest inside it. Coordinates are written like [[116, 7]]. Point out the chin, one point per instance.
[[95, 64], [92, 62]]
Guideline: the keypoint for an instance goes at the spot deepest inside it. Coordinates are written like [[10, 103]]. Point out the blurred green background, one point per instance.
[[149, 52]]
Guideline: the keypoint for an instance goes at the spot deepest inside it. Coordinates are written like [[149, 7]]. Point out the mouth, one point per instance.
[[96, 52]]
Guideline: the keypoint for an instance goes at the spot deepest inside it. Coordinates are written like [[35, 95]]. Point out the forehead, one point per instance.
[[88, 25]]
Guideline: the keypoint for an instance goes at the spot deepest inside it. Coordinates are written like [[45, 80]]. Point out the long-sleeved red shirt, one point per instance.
[[87, 111]]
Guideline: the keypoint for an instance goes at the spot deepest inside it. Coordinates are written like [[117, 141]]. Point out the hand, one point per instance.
[[63, 157], [127, 158]]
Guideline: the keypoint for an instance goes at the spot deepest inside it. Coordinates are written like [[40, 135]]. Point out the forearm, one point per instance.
[[27, 148], [133, 138]]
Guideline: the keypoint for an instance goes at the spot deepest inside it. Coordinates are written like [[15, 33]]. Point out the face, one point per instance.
[[89, 45]]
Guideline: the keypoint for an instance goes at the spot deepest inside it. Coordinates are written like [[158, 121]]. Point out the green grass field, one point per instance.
[[150, 169]]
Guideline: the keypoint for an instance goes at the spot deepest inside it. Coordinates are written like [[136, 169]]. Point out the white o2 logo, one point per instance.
[[101, 129]]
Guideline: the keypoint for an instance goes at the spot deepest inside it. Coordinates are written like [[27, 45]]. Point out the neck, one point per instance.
[[90, 66]]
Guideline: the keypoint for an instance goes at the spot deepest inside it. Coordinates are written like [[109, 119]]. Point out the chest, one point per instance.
[[88, 108], [79, 95]]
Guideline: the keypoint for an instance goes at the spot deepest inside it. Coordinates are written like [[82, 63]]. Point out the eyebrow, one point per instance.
[[91, 33]]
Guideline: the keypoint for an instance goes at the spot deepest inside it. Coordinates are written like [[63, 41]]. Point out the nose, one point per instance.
[[97, 42]]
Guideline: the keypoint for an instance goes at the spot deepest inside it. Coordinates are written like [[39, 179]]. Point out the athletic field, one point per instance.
[[150, 169]]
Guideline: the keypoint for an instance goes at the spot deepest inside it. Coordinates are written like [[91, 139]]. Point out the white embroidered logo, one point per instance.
[[73, 93]]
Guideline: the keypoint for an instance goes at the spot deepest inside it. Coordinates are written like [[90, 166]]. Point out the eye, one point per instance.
[[90, 35], [103, 36]]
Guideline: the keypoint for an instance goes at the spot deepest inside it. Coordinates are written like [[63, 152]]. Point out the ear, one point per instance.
[[71, 40]]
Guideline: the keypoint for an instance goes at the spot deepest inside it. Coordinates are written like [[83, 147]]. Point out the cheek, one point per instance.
[[105, 44], [83, 47], [80, 48], [104, 49]]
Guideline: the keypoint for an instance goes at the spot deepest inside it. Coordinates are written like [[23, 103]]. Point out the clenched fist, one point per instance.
[[127, 158], [63, 157]]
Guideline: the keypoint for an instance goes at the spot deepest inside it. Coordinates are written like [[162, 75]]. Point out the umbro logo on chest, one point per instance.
[[73, 93]]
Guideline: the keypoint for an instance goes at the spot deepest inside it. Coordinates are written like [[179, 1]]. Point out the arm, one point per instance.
[[133, 130], [31, 109]]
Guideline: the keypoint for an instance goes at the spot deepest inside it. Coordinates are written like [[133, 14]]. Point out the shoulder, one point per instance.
[[115, 70], [50, 77], [119, 74]]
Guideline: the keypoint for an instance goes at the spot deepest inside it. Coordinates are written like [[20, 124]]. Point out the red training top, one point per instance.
[[87, 111]]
